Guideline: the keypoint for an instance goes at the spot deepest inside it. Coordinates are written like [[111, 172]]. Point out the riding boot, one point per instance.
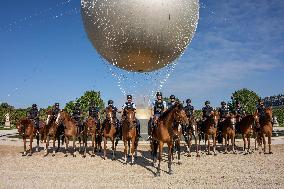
[[120, 132], [138, 128]]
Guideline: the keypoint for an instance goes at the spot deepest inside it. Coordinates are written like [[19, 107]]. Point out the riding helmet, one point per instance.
[[34, 105], [172, 97], [223, 103], [159, 93], [110, 102], [56, 104], [129, 96], [207, 102], [188, 101]]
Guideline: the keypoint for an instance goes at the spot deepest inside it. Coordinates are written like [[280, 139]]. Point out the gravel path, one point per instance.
[[221, 171]]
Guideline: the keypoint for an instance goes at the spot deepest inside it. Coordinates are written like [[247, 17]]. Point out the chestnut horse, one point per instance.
[[190, 133], [26, 129], [265, 130], [129, 133], [109, 130], [51, 132], [70, 130], [245, 128], [227, 128], [90, 129], [209, 129], [164, 133]]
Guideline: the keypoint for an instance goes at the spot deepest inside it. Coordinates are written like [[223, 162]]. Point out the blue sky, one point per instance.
[[46, 57]]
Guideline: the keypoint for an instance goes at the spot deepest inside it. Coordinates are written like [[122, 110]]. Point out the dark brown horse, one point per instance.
[[27, 130], [192, 133], [109, 130], [70, 130], [90, 129], [164, 133], [227, 128], [209, 129], [129, 133], [245, 128], [265, 129]]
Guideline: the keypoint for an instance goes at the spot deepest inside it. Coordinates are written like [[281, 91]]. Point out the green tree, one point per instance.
[[85, 100], [247, 98]]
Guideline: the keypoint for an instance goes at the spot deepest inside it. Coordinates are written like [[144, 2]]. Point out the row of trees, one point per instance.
[[247, 98]]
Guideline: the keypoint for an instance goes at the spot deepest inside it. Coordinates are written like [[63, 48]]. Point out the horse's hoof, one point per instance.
[[113, 158], [53, 155], [93, 155], [259, 152], [170, 172], [189, 155], [158, 174], [198, 155], [215, 154], [24, 154], [29, 154], [84, 156], [270, 152], [209, 154], [74, 155], [225, 152], [179, 163]]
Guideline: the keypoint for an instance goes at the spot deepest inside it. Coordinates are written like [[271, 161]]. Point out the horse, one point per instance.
[[265, 130], [245, 128], [26, 129], [90, 129], [190, 133], [227, 128], [129, 133], [51, 132], [209, 129], [164, 133], [70, 131], [109, 131]]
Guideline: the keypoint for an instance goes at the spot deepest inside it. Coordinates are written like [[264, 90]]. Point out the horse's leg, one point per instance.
[[205, 140], [161, 144], [214, 144], [25, 146], [269, 144], [74, 146], [113, 149], [37, 142], [85, 145], [226, 143], [93, 145], [245, 143], [248, 139], [66, 148], [105, 147], [208, 147], [47, 145], [128, 152], [264, 143], [178, 149], [31, 146], [189, 138], [125, 151], [233, 144], [196, 144], [170, 158], [132, 149], [53, 149]]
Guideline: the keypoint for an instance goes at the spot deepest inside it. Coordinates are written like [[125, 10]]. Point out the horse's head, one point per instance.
[[268, 114], [215, 115], [256, 118], [110, 116], [233, 119], [62, 116], [49, 116], [23, 124], [130, 116], [180, 115]]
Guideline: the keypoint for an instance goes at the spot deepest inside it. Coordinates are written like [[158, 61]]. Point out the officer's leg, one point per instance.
[[150, 122], [138, 127]]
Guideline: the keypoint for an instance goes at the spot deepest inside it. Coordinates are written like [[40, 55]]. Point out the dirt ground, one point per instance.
[[221, 171]]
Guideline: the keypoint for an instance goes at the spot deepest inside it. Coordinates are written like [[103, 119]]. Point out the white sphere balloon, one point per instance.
[[140, 35]]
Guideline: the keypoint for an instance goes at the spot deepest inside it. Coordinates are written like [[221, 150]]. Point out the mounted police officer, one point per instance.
[[115, 110], [158, 107], [55, 110], [239, 111], [33, 114], [189, 109], [206, 112], [94, 112], [260, 109], [131, 105], [77, 116], [223, 111], [172, 101]]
